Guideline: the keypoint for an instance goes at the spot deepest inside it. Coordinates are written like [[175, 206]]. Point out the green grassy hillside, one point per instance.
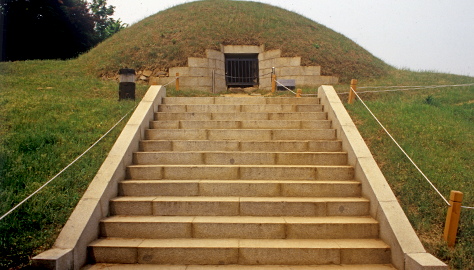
[[168, 38], [51, 111]]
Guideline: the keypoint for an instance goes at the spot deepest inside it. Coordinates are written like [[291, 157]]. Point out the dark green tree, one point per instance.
[[52, 29], [105, 25]]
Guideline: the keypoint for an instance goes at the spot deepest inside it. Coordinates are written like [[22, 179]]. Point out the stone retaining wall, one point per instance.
[[198, 74]]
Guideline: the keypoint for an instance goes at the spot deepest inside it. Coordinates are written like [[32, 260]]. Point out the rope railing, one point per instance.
[[285, 87], [65, 168], [398, 145], [171, 81], [391, 137], [405, 88]]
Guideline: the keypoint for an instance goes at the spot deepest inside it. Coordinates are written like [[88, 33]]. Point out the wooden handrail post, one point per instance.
[[351, 93], [298, 93], [452, 219], [177, 81]]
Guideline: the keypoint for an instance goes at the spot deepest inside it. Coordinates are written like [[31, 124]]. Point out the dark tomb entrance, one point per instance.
[[241, 70]]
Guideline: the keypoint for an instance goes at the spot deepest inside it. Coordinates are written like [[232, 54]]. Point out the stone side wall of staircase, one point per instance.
[[252, 181]]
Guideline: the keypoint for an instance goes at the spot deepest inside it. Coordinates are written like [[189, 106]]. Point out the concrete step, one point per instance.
[[233, 108], [239, 206], [218, 227], [221, 116], [244, 172], [243, 146], [248, 188], [244, 124], [240, 134], [102, 266], [240, 251], [240, 158], [239, 100]]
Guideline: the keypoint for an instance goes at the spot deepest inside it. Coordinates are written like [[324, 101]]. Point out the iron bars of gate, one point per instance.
[[242, 72]]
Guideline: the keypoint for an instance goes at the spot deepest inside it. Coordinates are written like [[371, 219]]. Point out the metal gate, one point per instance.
[[241, 72]]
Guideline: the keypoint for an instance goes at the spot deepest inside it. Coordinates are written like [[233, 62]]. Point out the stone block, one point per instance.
[[188, 81], [188, 251], [277, 173], [243, 188], [239, 227], [216, 55], [271, 54], [158, 188], [289, 71], [165, 116], [319, 134], [243, 49], [196, 206], [209, 172], [288, 252], [278, 206], [220, 66], [423, 261], [135, 206], [212, 64], [204, 82], [54, 259], [331, 227], [311, 70], [334, 172], [321, 189], [237, 134], [364, 251], [198, 62], [294, 61], [190, 72], [348, 207], [183, 71], [149, 227], [114, 250], [282, 62], [265, 64]]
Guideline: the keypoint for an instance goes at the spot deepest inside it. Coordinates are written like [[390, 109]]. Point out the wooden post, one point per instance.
[[177, 81], [273, 83], [452, 219], [298, 93], [351, 93]]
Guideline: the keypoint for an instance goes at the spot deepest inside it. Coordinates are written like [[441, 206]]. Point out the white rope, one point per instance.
[[401, 148], [27, 198], [171, 81], [407, 88], [467, 207], [285, 87]]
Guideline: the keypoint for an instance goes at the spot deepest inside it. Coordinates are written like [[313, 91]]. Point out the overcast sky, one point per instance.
[[430, 35]]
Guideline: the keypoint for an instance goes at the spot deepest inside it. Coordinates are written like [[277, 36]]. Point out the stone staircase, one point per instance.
[[242, 182]]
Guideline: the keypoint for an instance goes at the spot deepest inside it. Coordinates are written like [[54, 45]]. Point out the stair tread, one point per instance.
[[242, 243], [337, 182], [237, 199], [246, 166], [101, 266], [246, 153], [242, 219]]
